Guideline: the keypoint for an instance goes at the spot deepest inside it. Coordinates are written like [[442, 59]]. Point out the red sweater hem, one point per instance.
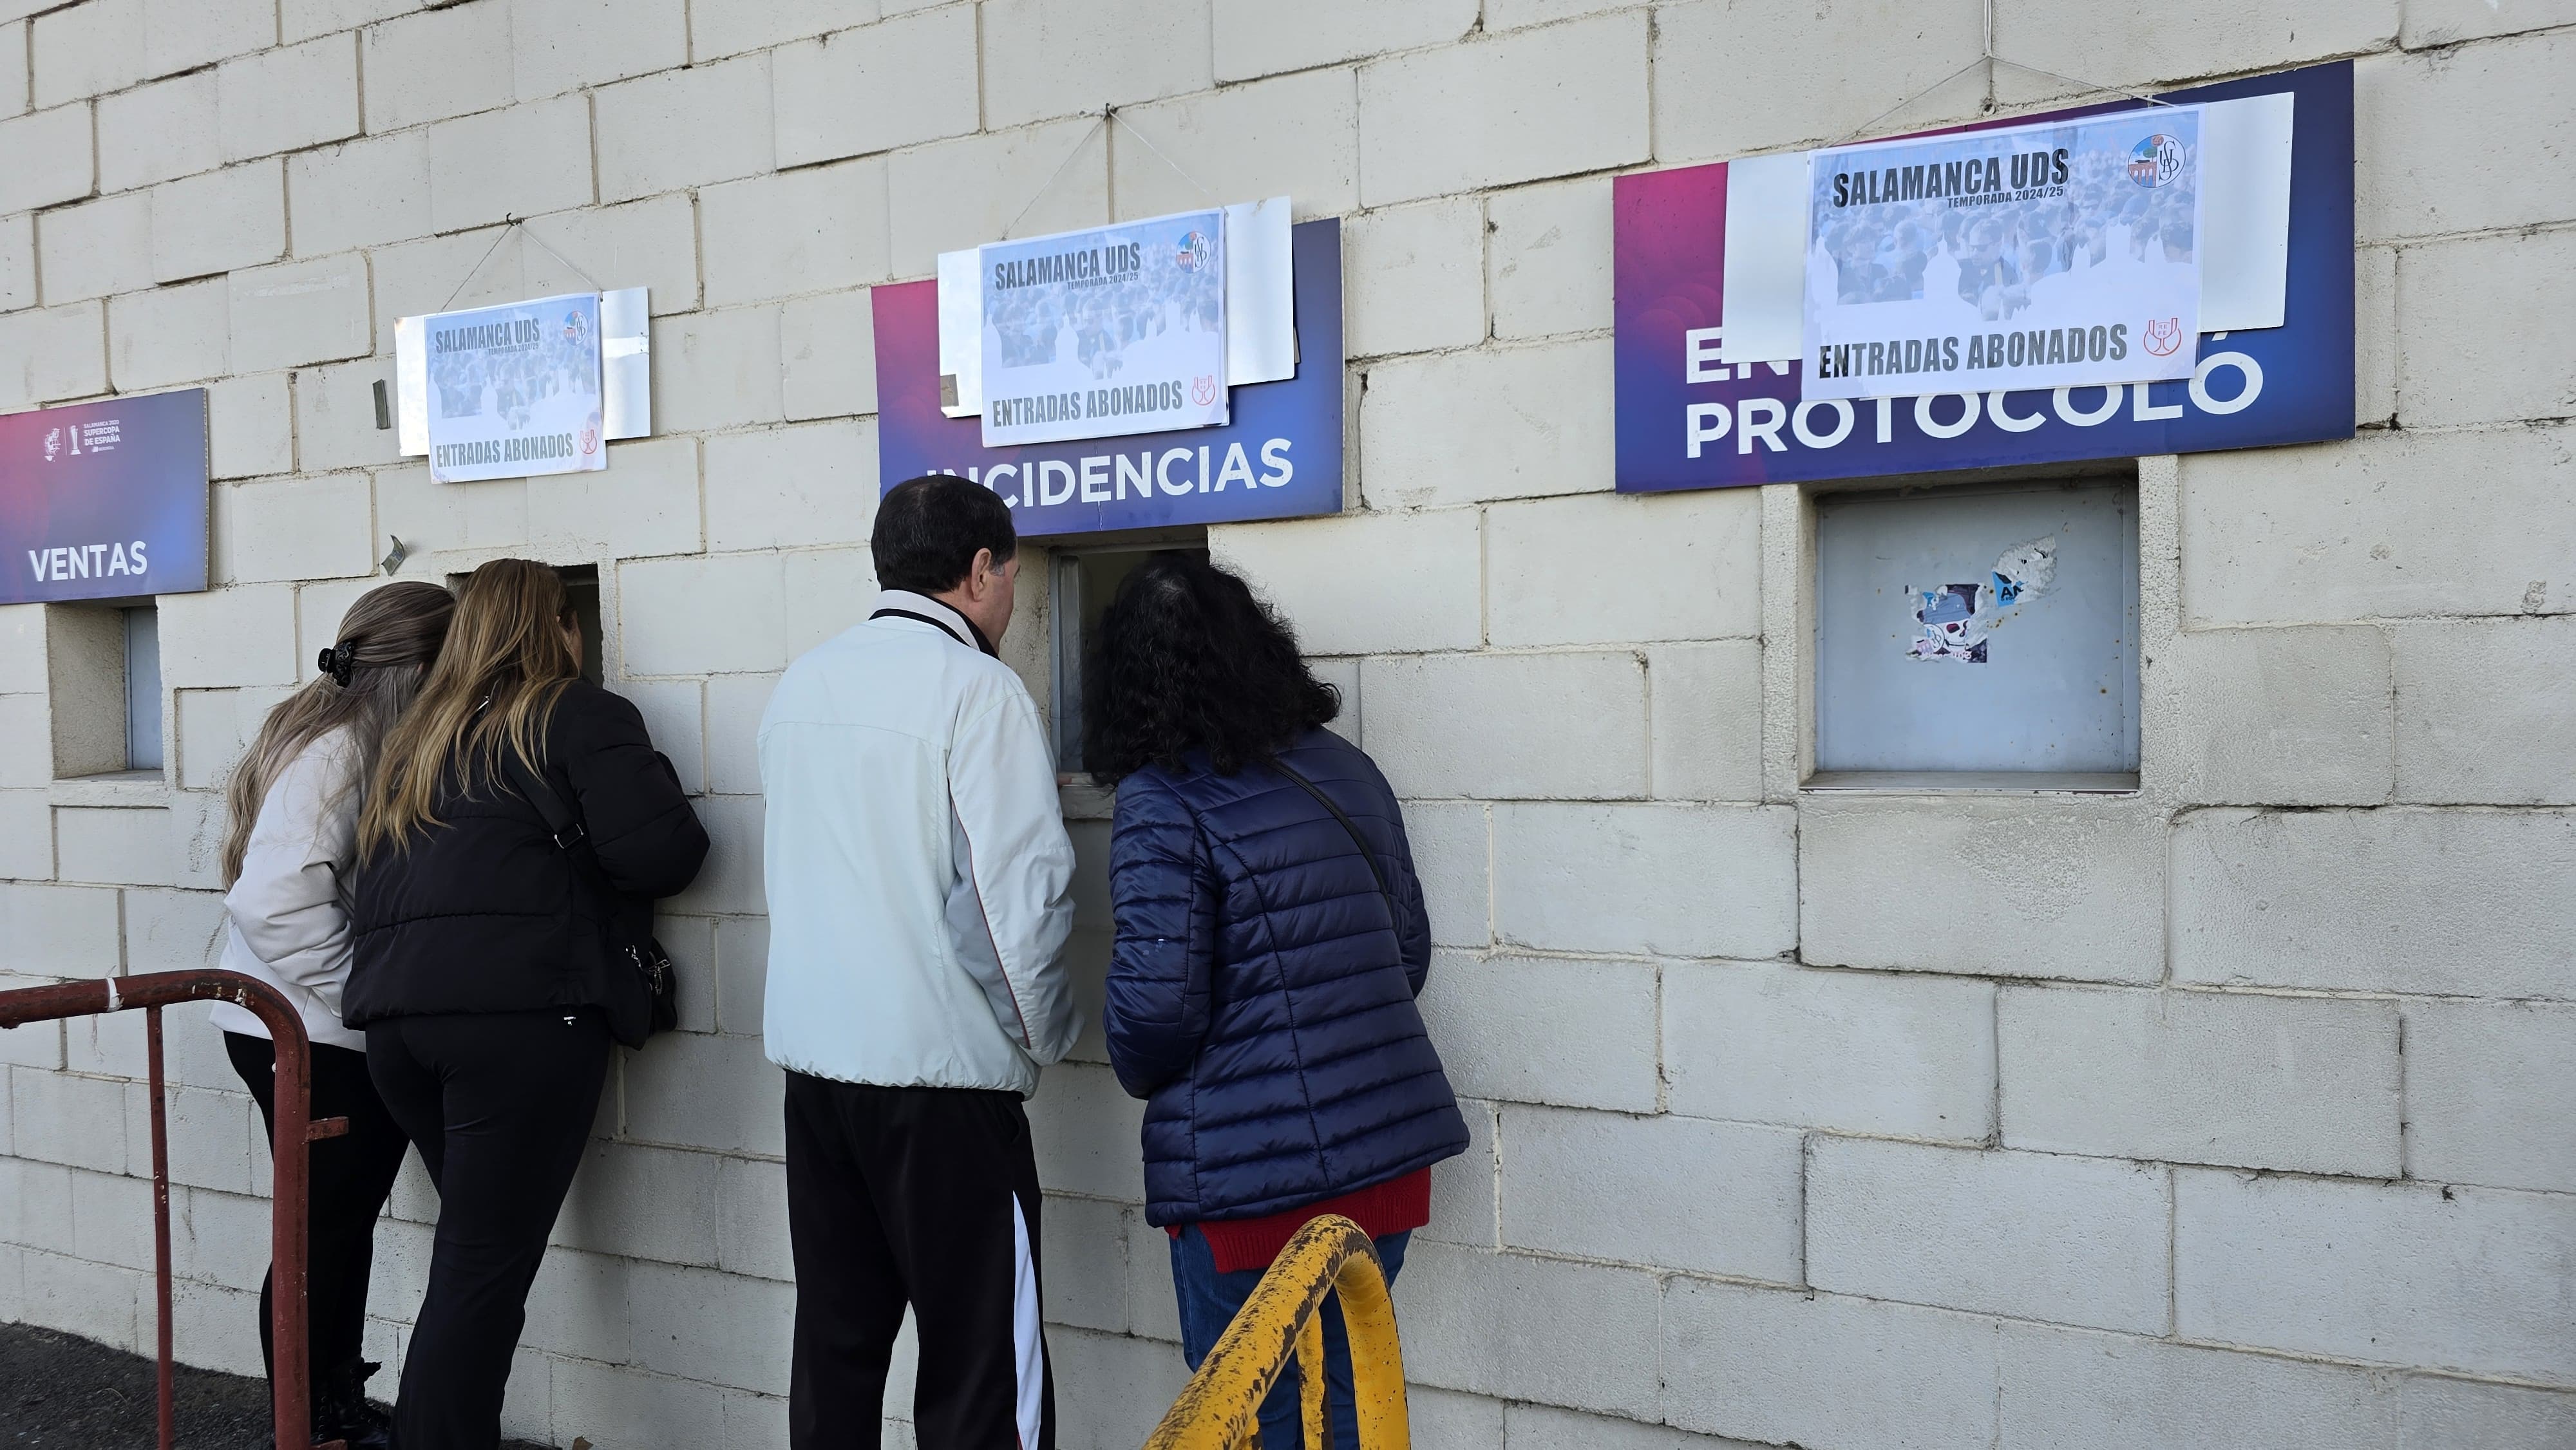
[[1393, 1207]]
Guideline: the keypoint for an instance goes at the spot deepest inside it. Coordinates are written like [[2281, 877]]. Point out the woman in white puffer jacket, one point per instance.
[[294, 801]]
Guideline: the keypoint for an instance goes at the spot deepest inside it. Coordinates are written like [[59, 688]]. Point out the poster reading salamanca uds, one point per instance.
[[2055, 255], [1105, 333], [514, 389]]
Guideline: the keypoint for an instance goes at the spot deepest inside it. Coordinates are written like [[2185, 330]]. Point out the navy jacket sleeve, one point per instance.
[[1162, 891], [648, 841]]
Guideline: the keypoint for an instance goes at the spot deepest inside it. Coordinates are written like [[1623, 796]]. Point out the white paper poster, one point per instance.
[[1107, 332], [2055, 255], [514, 389]]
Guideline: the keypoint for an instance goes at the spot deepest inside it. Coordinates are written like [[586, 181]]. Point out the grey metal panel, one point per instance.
[[2058, 688], [142, 688]]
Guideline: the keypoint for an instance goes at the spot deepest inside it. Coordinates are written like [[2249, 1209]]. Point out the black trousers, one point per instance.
[[920, 1196], [345, 1193], [501, 1105]]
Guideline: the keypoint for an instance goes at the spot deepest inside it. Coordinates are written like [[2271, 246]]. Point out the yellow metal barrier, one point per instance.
[[1220, 1409]]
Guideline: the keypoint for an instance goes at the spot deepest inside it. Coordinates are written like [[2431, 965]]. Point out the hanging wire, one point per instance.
[[1989, 60], [522, 228], [1159, 156], [1055, 176]]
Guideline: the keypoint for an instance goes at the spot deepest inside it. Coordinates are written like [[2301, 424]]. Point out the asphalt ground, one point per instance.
[[62, 1393]]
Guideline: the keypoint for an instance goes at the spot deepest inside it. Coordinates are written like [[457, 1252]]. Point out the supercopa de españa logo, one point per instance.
[[53, 443], [2156, 161], [1192, 253]]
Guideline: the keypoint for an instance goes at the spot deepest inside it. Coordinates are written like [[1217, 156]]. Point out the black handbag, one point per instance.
[[652, 965]]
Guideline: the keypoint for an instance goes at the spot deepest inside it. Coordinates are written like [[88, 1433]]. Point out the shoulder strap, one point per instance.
[[1357, 839], [559, 818]]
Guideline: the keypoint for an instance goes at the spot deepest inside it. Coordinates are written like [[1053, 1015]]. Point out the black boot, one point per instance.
[[341, 1411]]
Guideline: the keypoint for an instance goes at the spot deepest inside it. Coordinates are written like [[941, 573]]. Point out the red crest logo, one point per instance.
[[2162, 336], [1203, 390], [589, 441]]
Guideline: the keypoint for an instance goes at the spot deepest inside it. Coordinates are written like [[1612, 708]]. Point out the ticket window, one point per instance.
[[1978, 637], [1081, 582], [103, 680]]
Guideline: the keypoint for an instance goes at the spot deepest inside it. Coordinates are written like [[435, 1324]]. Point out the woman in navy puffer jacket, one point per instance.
[[1261, 986]]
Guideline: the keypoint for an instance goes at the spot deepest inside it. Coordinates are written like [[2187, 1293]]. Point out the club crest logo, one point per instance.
[[2156, 161], [1193, 251], [1203, 389], [53, 443], [589, 441], [2162, 336]]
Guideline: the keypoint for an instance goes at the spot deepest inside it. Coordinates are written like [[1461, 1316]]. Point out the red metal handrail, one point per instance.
[[290, 1374]]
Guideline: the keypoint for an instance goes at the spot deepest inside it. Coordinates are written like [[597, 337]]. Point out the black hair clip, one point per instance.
[[337, 662]]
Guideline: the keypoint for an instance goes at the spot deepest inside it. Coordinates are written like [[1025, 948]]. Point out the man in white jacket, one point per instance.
[[919, 881]]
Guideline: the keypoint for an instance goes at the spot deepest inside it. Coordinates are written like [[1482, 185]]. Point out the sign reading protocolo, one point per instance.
[[104, 500], [514, 389]]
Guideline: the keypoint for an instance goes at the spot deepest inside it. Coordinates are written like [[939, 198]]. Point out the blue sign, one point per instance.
[[1687, 420], [104, 500], [1279, 457]]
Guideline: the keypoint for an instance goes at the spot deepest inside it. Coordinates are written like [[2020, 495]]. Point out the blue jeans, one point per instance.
[[1208, 1302]]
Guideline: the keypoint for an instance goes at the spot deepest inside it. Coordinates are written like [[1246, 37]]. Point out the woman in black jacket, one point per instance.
[[492, 964]]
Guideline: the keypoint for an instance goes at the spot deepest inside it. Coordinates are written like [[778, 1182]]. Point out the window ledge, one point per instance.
[[113, 788], [1972, 782]]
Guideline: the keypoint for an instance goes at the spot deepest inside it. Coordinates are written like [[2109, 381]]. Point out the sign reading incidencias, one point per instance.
[[1103, 333], [2063, 254], [514, 389]]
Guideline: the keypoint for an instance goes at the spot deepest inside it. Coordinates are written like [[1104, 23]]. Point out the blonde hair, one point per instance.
[[386, 640], [507, 661]]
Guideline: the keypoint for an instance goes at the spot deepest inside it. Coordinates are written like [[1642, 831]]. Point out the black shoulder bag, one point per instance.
[[1357, 839], [652, 965]]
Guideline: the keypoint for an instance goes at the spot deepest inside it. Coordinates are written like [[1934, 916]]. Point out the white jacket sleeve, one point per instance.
[[1001, 786], [286, 903]]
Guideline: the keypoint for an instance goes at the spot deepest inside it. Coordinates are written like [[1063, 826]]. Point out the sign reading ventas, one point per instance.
[[104, 500], [513, 390]]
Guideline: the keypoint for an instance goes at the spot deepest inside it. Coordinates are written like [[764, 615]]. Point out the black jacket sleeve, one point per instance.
[[647, 839]]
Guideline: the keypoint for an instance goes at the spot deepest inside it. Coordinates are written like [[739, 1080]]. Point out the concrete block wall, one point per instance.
[[2233, 1111]]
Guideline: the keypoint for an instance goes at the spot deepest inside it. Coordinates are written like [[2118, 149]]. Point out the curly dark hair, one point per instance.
[[1189, 659]]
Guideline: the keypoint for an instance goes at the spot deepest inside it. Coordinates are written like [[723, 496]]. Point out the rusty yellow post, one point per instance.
[[1222, 1403]]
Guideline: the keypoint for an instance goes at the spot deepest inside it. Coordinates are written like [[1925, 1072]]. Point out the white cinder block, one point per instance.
[[1294, 136], [250, 421], [298, 313], [2287, 535], [816, 230], [118, 846], [1909, 1056], [1544, 429], [17, 263], [236, 636], [827, 355], [639, 1202], [1111, 1390], [716, 370], [2482, 710], [1087, 1134], [1668, 879], [557, 45], [2206, 37], [1545, 1030], [1705, 714], [2410, 109], [1537, 1427], [1670, 1192], [734, 706], [1253, 38], [158, 132], [730, 884], [1498, 110], [52, 159], [626, 1407], [2375, 348], [2069, 1387], [14, 85], [742, 974], [528, 159], [1465, 1190], [62, 931], [169, 335], [86, 50], [963, 193], [96, 248], [730, 27], [718, 1094], [51, 354], [298, 528], [1082, 1251], [751, 1219], [703, 614], [1452, 854], [172, 931], [96, 1302], [674, 713], [435, 64], [184, 34], [2280, 716], [79, 1121], [579, 1306], [2069, 1240], [360, 193], [26, 846], [1579, 1335], [2457, 370], [651, 244], [1818, 1369], [1553, 564], [1414, 278], [683, 128], [645, 503], [219, 221], [2469, 902], [2431, 23], [2447, 1278], [1047, 58], [1516, 747], [2485, 1084], [698, 1325], [2076, 894], [2448, 1414], [2306, 1084], [811, 484], [289, 98], [1442, 1420], [1709, 106], [305, 19], [905, 80], [1365, 582], [335, 416], [1547, 264]]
